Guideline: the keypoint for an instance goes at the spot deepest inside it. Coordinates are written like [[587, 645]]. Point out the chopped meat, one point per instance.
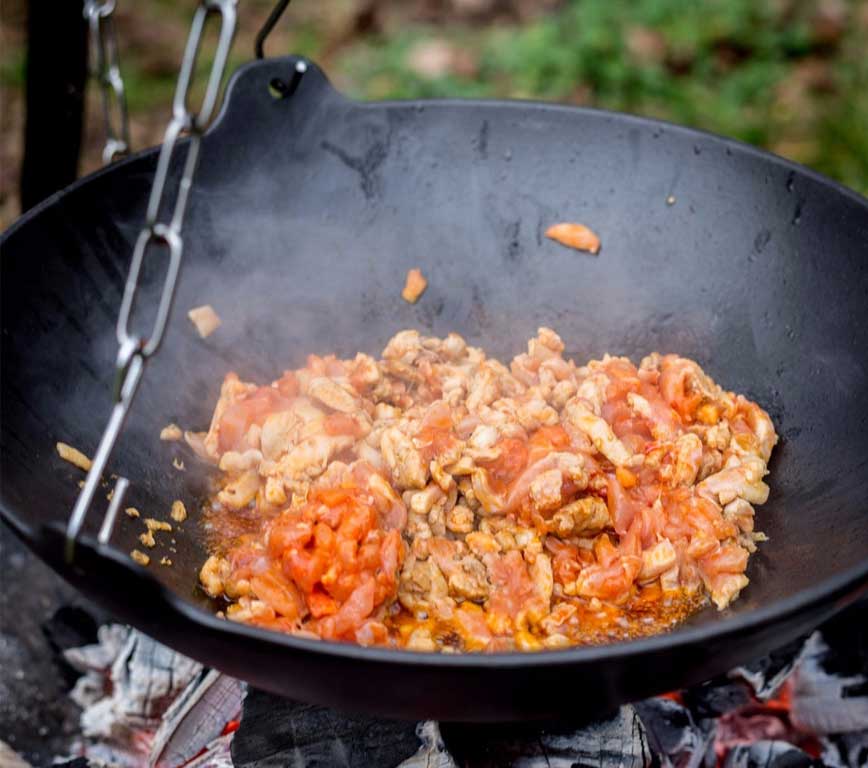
[[205, 319], [74, 456], [598, 430], [179, 511], [414, 287], [435, 499], [576, 236], [140, 557], [403, 460], [171, 432], [332, 395]]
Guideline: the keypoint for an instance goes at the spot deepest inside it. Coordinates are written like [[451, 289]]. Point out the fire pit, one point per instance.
[[96, 693]]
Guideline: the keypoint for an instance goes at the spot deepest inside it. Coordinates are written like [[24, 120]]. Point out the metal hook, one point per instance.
[[281, 88], [265, 31]]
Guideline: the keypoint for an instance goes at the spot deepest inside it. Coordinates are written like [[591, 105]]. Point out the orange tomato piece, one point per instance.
[[358, 606], [547, 440], [506, 468], [279, 594], [287, 384], [342, 424], [321, 604], [255, 408]]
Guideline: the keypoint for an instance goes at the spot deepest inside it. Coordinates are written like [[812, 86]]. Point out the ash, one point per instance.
[[142, 704]]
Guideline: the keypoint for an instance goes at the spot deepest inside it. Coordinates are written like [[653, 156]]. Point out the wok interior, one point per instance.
[[305, 216]]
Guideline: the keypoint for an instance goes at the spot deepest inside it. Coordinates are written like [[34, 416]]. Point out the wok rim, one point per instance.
[[594, 112], [843, 586]]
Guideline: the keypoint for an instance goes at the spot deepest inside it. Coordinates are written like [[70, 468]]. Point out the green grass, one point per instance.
[[762, 71], [721, 65]]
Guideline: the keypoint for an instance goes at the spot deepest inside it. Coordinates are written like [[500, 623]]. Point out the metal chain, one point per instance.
[[105, 70], [158, 233]]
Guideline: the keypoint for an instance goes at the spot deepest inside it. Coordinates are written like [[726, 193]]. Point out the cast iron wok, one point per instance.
[[307, 212]]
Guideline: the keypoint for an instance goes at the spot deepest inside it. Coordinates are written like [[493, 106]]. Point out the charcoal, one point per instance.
[[716, 697], [847, 636], [846, 750], [216, 755], [758, 680], [765, 676], [277, 732], [196, 718], [70, 626], [619, 742], [674, 736], [769, 754]]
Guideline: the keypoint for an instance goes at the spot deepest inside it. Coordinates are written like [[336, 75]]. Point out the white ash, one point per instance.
[[144, 677], [145, 704], [432, 753], [820, 701]]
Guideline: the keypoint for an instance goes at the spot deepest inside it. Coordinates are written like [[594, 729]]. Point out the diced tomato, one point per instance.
[[305, 568], [255, 408], [622, 508], [278, 593], [547, 440], [332, 497], [675, 374], [336, 558], [287, 384], [321, 604], [342, 424], [359, 605], [390, 556], [623, 378], [605, 552], [503, 470], [288, 532], [324, 537], [512, 589], [612, 582], [245, 561], [565, 560], [729, 558], [631, 543]]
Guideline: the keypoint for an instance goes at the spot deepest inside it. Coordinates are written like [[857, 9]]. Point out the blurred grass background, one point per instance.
[[787, 75]]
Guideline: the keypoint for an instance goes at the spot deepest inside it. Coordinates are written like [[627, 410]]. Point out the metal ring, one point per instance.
[[159, 234], [226, 10]]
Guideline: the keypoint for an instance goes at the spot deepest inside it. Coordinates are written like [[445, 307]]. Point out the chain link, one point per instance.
[[104, 68], [157, 233]]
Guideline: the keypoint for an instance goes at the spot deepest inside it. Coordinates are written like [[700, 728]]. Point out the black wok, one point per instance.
[[307, 212]]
